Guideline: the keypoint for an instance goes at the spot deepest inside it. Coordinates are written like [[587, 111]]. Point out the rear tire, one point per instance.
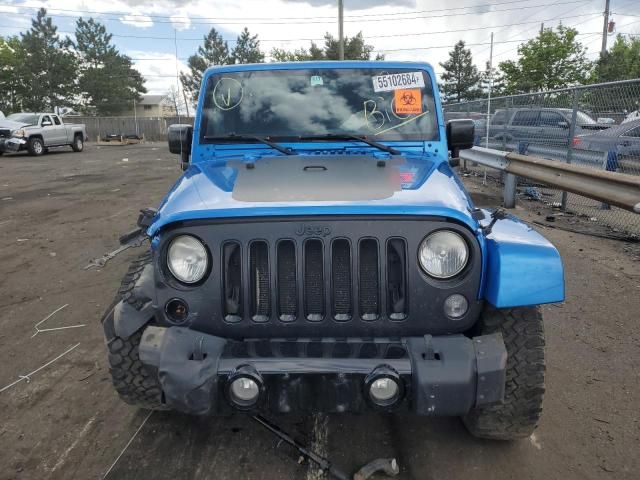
[[35, 146], [136, 383], [517, 417], [78, 143]]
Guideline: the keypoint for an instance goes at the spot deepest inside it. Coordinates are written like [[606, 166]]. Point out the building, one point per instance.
[[153, 106]]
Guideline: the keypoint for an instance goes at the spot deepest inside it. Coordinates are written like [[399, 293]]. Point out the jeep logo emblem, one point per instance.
[[313, 230]]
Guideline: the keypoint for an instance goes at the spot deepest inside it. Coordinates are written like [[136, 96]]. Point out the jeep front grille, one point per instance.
[[327, 269], [339, 277]]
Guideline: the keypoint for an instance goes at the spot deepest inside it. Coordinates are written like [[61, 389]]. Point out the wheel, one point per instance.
[[517, 417], [35, 146], [78, 143], [136, 383]]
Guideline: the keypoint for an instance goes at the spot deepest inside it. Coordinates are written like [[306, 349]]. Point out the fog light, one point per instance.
[[244, 391], [177, 310], [383, 390], [455, 306], [384, 387], [244, 387]]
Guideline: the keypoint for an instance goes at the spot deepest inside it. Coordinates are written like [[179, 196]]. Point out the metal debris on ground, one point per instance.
[[40, 330], [27, 377], [388, 466], [100, 262], [127, 445], [533, 193]]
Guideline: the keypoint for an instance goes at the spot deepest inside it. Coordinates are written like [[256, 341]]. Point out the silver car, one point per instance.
[[545, 126]]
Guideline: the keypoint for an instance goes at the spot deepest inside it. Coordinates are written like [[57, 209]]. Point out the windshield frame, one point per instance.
[[434, 135]]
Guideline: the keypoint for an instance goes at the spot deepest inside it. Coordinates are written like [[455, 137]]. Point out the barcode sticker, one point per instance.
[[397, 81]]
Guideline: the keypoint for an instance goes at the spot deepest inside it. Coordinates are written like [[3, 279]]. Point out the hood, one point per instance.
[[316, 185], [11, 125]]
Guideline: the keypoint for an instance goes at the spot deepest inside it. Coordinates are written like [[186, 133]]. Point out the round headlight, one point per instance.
[[187, 259], [443, 254]]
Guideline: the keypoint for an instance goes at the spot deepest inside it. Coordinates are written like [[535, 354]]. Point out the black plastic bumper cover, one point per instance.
[[444, 375]]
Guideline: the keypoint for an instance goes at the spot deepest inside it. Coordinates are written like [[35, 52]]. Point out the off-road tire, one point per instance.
[[78, 143], [136, 383], [35, 146], [517, 417]]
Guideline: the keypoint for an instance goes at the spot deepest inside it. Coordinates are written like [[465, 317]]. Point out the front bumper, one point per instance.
[[441, 375], [12, 144]]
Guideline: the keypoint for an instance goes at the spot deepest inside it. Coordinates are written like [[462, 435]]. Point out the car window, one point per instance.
[[634, 132], [45, 118], [56, 120], [526, 118], [550, 119]]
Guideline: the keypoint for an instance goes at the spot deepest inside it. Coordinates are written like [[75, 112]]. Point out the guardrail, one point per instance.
[[614, 188]]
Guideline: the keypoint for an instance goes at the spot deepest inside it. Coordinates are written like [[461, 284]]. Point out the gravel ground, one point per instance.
[[59, 211]]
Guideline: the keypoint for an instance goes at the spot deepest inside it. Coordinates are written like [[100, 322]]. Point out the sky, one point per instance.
[[152, 32]]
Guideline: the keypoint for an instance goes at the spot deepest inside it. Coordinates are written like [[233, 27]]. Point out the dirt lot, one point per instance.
[[59, 211]]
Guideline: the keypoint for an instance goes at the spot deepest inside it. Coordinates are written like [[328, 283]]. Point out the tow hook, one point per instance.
[[386, 465]]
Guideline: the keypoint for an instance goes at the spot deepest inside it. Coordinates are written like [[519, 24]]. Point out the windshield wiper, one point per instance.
[[235, 137], [350, 136]]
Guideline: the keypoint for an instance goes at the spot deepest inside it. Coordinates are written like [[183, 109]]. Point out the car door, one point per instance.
[[59, 132], [524, 126], [48, 130], [629, 142], [554, 128]]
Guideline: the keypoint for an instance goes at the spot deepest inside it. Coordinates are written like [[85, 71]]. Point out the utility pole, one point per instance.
[[605, 29], [341, 29], [484, 179], [541, 28]]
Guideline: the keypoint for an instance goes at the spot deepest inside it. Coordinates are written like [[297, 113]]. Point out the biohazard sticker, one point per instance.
[[407, 102]]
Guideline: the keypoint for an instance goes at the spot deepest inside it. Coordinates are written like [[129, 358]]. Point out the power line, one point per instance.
[[175, 18], [153, 37], [304, 21]]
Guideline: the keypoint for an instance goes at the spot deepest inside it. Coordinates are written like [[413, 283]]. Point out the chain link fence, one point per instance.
[[597, 126]]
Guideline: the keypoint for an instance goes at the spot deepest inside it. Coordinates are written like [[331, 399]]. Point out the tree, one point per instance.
[[247, 49], [460, 77], [551, 60], [49, 71], [108, 83], [214, 51], [621, 62], [355, 48], [11, 58]]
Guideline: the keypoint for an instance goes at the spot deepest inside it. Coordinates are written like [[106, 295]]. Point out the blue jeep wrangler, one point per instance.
[[319, 254]]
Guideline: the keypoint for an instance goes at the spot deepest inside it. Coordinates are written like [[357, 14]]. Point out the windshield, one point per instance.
[[29, 118], [388, 104]]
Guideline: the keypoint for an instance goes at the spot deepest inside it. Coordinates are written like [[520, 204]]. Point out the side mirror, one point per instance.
[[180, 137], [46, 124], [563, 124], [460, 135]]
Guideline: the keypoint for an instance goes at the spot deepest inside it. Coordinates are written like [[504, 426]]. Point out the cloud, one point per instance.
[[158, 68], [137, 20], [358, 4]]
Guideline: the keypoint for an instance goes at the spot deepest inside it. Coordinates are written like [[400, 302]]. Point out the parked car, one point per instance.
[[37, 132], [320, 254], [548, 126], [622, 139], [635, 115]]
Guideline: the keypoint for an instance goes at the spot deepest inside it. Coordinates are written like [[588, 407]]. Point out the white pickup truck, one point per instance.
[[37, 132]]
